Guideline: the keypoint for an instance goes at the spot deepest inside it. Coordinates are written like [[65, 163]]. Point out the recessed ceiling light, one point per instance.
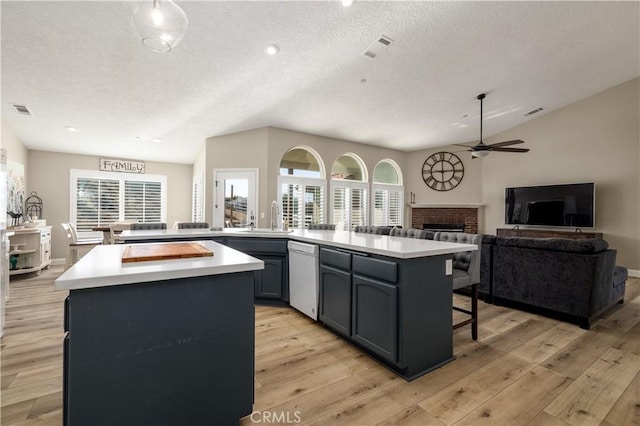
[[271, 49], [71, 129], [363, 81], [347, 3], [138, 138], [157, 140]]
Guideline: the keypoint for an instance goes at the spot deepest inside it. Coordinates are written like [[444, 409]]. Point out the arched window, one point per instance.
[[388, 192], [302, 187], [349, 192]]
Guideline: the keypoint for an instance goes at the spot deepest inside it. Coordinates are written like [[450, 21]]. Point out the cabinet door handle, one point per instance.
[[357, 253]]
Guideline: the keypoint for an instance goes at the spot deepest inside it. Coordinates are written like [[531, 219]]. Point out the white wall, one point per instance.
[[263, 149], [16, 150], [237, 151], [594, 140], [49, 175], [329, 149]]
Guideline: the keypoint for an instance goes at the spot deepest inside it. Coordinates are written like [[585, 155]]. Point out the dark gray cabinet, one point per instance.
[[375, 316], [335, 299], [170, 352], [397, 310], [271, 283]]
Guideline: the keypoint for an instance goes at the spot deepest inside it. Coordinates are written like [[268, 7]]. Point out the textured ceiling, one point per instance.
[[80, 64]]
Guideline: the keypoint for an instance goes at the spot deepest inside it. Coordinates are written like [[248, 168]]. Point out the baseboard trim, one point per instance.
[[634, 273]]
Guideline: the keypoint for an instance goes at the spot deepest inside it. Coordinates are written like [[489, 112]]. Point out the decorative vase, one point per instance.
[[13, 259]]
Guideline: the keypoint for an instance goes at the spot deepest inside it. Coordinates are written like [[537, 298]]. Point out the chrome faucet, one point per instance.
[[274, 223], [252, 224]]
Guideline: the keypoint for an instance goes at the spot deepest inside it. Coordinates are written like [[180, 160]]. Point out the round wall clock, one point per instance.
[[442, 171]]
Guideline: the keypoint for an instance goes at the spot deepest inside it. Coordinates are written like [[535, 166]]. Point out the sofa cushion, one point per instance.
[[489, 239], [586, 246]]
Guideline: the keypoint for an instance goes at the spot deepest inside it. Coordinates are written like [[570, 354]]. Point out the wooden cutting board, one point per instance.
[[146, 252]]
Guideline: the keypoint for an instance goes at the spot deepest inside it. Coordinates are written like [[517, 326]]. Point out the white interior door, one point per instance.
[[235, 197]]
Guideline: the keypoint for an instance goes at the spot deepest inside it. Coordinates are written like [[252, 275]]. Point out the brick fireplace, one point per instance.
[[445, 215]]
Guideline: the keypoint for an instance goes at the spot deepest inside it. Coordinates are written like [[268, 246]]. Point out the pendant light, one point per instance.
[[161, 24]]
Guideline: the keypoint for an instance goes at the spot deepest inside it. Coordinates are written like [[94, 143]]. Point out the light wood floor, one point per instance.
[[524, 369]]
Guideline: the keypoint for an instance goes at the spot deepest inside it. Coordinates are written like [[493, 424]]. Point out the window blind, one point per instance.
[[197, 210], [143, 201], [349, 204], [302, 201], [103, 198], [387, 205], [98, 202], [340, 208]]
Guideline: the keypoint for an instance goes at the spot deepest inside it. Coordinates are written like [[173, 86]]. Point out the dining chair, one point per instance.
[[76, 243], [419, 234], [322, 226], [193, 225], [116, 229], [466, 273], [148, 226]]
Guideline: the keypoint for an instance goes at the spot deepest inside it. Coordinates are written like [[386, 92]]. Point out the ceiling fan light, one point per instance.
[[480, 154], [160, 24]]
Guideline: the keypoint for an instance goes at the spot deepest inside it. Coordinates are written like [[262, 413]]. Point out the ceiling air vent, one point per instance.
[[534, 111], [377, 46], [21, 109]]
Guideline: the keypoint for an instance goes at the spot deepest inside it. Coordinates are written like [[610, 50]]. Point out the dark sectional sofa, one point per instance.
[[576, 280]]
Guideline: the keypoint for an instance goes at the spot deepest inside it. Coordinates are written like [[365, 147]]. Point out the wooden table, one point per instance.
[[106, 232]]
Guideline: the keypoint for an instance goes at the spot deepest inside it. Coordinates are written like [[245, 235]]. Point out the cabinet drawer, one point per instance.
[[335, 258], [376, 268], [257, 245]]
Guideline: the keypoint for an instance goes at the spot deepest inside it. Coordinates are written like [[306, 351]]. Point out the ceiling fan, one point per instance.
[[482, 150]]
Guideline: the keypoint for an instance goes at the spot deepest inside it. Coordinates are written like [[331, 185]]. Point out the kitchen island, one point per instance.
[[390, 296], [159, 342]]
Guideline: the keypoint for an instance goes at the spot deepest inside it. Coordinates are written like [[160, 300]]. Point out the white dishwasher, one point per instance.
[[303, 278]]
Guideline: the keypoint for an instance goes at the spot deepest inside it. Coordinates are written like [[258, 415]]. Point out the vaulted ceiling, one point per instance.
[[80, 64]]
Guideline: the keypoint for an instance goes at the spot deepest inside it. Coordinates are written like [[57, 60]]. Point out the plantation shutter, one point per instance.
[[97, 202], [340, 210], [395, 208], [291, 200], [197, 211], [313, 202], [380, 202], [143, 201], [358, 207], [387, 207], [301, 201]]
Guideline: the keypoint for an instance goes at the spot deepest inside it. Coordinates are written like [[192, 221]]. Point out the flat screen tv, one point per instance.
[[570, 205]]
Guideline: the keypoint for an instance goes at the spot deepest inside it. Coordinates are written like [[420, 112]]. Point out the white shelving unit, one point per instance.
[[29, 250]]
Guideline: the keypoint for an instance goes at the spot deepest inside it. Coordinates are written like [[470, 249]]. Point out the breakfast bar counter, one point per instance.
[[161, 341], [396, 247]]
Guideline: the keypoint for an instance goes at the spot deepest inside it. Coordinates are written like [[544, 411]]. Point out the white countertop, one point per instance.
[[398, 247], [103, 266]]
